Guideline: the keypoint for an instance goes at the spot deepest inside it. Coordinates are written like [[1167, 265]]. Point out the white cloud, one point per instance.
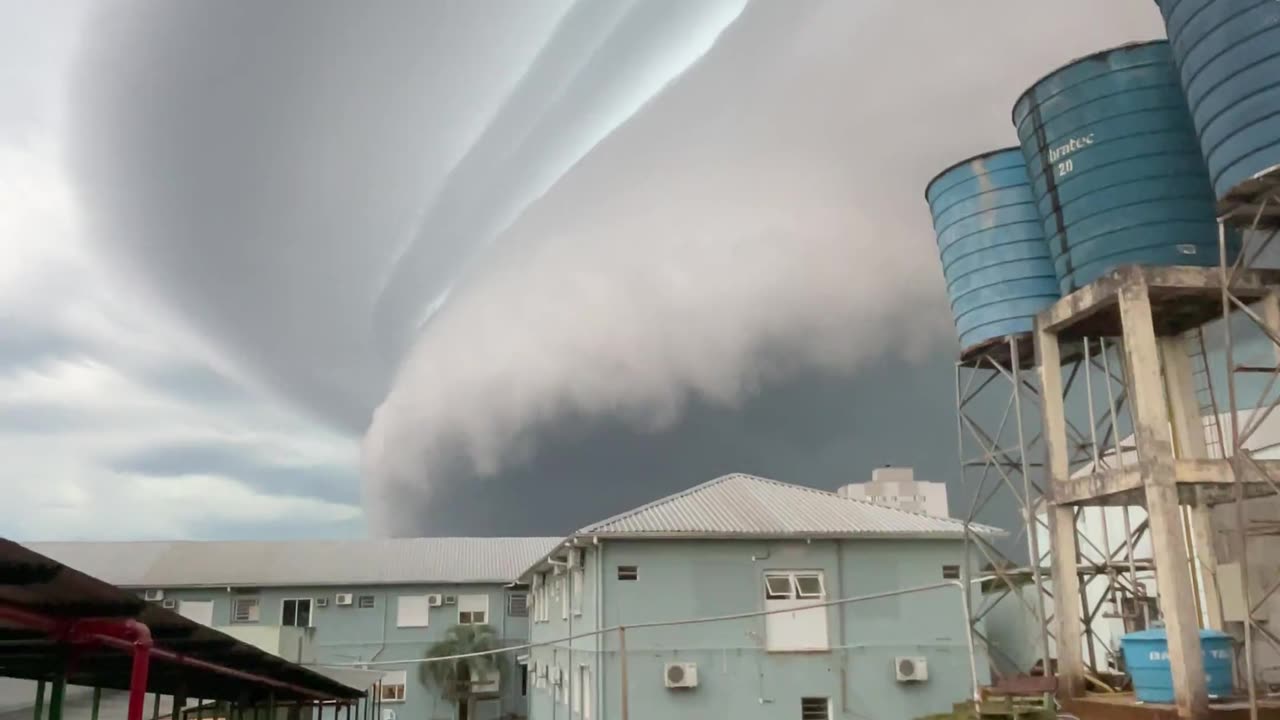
[[67, 415]]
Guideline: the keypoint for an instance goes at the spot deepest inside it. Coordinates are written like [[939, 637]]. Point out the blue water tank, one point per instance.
[[1115, 165], [994, 258], [1146, 655], [1228, 57]]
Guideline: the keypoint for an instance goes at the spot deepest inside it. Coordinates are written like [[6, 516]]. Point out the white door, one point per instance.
[[200, 611]]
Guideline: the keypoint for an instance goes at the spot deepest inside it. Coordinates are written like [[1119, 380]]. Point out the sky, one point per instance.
[[301, 269]]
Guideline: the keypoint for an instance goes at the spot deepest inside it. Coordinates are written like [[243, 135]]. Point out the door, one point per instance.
[[200, 611]]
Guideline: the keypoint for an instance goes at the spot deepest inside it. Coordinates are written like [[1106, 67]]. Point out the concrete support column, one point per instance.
[[1189, 443], [1155, 460], [1067, 608]]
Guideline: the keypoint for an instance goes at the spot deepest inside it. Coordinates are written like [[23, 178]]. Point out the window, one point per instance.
[[296, 613], [473, 609], [412, 611], [584, 681], [628, 572], [518, 604], [789, 586], [950, 572], [804, 629], [579, 581], [523, 670], [815, 708], [393, 684], [244, 610], [365, 601], [540, 597], [562, 587]]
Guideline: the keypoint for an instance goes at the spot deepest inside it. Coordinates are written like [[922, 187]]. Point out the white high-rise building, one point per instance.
[[897, 487]]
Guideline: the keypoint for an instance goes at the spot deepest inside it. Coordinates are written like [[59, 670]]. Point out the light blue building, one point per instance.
[[341, 602], [741, 545]]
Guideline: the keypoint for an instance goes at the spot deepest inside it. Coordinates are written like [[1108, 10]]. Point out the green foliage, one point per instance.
[[453, 677]]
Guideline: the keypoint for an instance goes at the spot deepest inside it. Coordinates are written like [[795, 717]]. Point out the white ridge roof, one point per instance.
[[741, 505]]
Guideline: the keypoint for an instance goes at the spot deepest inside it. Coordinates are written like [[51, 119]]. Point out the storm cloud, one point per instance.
[[586, 252]]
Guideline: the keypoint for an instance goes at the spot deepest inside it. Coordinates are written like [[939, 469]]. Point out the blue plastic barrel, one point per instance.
[[1228, 57], [1146, 655], [1115, 165], [990, 238]]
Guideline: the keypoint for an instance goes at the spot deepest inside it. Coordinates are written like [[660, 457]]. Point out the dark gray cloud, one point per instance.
[[335, 484]]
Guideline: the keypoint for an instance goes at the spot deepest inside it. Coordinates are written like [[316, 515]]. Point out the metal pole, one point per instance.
[[1033, 540], [39, 700], [97, 703], [622, 661], [1242, 544], [56, 696], [179, 701]]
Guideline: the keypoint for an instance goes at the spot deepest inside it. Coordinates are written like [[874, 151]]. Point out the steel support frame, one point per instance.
[[1246, 416], [1001, 450]]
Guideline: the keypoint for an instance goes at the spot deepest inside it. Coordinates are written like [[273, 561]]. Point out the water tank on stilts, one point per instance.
[[1228, 58], [1115, 165], [994, 257]]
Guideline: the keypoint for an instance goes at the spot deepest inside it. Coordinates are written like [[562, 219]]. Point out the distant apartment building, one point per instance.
[[897, 487], [342, 603], [739, 545]]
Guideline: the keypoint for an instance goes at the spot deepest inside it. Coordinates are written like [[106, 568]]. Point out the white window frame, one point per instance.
[[577, 585], [470, 620], [584, 692], [401, 609], [562, 587], [254, 615], [524, 596], [794, 591], [825, 700], [311, 611], [403, 677], [360, 600]]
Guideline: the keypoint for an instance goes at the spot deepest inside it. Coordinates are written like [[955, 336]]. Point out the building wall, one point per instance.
[[737, 677], [896, 487], [351, 634]]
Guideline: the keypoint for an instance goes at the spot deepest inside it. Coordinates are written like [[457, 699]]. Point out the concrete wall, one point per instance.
[[350, 634], [738, 678]]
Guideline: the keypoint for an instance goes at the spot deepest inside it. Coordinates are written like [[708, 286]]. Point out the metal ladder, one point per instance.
[[1208, 403]]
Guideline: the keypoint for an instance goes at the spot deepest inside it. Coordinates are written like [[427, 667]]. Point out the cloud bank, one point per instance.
[[487, 226]]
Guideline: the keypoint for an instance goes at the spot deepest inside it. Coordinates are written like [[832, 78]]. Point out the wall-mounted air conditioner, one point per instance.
[[680, 675], [343, 599], [153, 595], [169, 604], [911, 669], [388, 714], [322, 602], [450, 599], [435, 600]]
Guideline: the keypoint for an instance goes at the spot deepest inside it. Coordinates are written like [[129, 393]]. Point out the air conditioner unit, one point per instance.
[[435, 600], [450, 599], [577, 557], [388, 714], [680, 675], [169, 604], [322, 602], [911, 669], [343, 599], [153, 595]]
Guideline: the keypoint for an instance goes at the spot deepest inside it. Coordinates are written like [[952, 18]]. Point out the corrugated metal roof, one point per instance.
[[745, 505], [303, 562]]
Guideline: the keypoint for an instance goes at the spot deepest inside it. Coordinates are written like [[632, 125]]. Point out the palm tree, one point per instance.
[[455, 677]]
